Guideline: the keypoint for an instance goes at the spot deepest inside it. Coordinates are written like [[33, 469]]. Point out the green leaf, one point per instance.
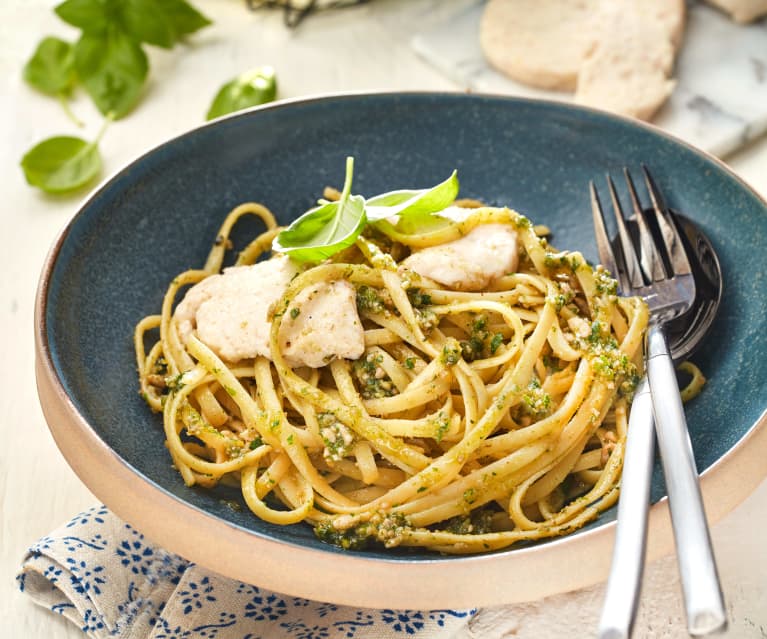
[[323, 231], [326, 229], [113, 69], [248, 89], [92, 16], [61, 164], [162, 23], [413, 205], [51, 69], [186, 19], [332, 226]]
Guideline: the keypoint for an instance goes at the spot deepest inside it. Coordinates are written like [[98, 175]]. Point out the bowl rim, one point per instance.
[[377, 582]]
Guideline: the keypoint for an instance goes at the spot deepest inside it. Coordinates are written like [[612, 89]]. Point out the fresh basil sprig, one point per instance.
[[412, 205], [108, 58], [332, 226], [326, 229], [248, 89], [112, 68], [109, 61]]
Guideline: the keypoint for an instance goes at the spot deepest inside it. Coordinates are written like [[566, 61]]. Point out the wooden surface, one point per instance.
[[356, 49]]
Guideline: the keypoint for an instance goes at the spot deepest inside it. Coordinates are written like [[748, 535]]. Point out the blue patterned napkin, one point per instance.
[[105, 577]]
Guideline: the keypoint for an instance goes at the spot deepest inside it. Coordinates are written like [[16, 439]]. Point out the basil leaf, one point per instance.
[[324, 231], [92, 16], [113, 69], [248, 89], [51, 69], [327, 229], [413, 205], [162, 23], [61, 164]]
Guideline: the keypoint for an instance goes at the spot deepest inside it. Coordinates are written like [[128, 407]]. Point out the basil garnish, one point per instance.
[[332, 226]]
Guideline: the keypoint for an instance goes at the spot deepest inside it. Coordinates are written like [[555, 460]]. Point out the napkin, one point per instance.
[[107, 579]]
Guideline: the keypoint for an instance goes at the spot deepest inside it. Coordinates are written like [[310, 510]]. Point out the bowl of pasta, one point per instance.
[[357, 348]]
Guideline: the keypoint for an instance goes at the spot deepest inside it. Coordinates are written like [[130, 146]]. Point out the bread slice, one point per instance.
[[615, 54], [742, 10], [628, 70], [539, 42], [669, 15]]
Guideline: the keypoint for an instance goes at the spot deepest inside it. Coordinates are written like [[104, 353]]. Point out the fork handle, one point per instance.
[[624, 583], [697, 569]]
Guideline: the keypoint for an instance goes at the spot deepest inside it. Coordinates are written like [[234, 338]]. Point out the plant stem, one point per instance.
[[64, 102], [344, 194]]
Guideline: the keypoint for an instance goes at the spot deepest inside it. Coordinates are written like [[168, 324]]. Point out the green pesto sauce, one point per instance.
[[384, 528], [369, 299], [372, 381]]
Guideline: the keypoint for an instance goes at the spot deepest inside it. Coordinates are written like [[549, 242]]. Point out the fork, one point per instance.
[[662, 275]]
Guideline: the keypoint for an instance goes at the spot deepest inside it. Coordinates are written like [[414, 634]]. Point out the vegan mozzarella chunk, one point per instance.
[[470, 263], [322, 324], [229, 311]]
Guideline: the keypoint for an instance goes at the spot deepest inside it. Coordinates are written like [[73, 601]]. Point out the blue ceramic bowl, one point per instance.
[[158, 217]]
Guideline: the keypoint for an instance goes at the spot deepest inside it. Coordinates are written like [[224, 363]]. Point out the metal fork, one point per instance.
[[668, 286]]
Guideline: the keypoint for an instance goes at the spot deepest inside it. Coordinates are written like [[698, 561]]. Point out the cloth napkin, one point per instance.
[[106, 578]]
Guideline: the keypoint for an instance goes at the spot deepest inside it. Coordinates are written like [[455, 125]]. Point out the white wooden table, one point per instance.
[[348, 50]]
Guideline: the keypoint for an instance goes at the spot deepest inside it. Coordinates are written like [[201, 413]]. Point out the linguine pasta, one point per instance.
[[473, 419]]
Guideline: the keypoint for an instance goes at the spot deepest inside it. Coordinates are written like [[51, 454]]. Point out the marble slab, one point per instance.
[[719, 103]]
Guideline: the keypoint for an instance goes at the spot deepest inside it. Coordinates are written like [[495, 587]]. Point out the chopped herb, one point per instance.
[[295, 312], [426, 318], [451, 353], [605, 284], [535, 400], [477, 522], [575, 263], [417, 298], [442, 425], [495, 343], [522, 222], [369, 299], [373, 380], [256, 443], [410, 363], [175, 384]]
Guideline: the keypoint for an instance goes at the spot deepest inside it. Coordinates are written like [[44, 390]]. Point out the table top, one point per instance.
[[351, 50]]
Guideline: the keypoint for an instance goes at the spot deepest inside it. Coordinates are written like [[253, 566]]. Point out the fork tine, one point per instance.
[[605, 249], [649, 257], [630, 260], [677, 255]]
